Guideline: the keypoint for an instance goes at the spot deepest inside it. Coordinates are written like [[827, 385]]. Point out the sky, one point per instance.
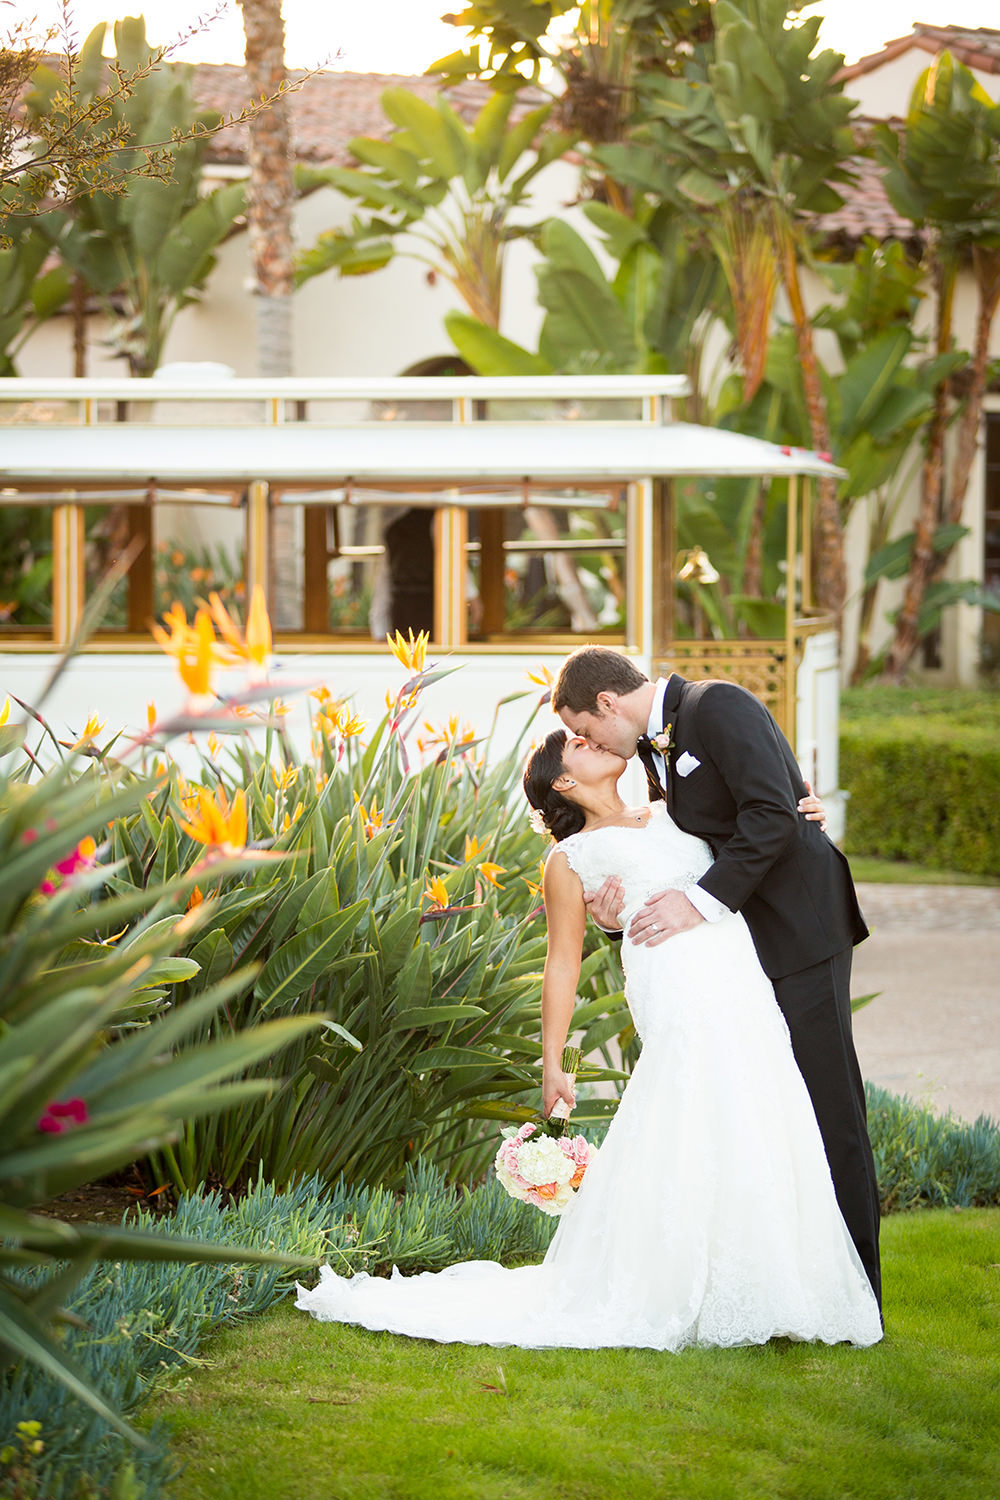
[[404, 36]]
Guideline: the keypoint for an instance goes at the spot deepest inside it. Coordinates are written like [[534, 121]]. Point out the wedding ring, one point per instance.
[[655, 928]]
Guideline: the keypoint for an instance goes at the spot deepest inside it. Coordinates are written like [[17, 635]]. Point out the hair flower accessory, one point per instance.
[[536, 819]]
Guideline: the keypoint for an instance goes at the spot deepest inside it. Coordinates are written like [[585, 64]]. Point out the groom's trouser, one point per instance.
[[816, 1003]]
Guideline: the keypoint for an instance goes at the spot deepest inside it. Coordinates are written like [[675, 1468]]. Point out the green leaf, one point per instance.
[[519, 138], [214, 956], [322, 901], [369, 190], [488, 352], [174, 1087], [416, 980], [298, 963], [184, 259], [463, 1057], [169, 971], [29, 1339], [50, 292], [113, 1241], [490, 130], [397, 939], [585, 328], [620, 232], [435, 1015], [868, 378], [435, 140], [343, 1033], [392, 161], [567, 250], [702, 189]]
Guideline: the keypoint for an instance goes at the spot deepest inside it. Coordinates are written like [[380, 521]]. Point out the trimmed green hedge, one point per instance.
[[923, 773]]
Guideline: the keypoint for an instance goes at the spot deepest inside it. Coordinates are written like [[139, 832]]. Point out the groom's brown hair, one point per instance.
[[591, 670]]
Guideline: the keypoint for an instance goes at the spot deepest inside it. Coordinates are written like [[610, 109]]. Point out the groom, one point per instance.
[[728, 775]]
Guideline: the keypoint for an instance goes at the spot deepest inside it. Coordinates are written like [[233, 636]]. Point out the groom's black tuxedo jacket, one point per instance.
[[789, 880]]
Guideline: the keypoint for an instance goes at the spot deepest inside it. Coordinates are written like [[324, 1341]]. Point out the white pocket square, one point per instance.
[[686, 763]]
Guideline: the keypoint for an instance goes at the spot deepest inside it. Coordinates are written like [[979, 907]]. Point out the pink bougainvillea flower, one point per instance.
[[71, 1109], [63, 1115], [80, 858]]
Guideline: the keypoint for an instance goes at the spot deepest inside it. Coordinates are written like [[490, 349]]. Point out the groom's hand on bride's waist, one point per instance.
[[662, 917]]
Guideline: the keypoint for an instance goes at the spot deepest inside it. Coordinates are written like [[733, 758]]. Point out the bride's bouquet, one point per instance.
[[538, 1163]]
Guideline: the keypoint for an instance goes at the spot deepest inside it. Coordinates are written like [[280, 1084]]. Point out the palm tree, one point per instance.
[[272, 190], [269, 217], [759, 121], [943, 172]]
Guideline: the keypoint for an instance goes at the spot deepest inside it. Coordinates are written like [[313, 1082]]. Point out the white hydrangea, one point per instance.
[[543, 1160]]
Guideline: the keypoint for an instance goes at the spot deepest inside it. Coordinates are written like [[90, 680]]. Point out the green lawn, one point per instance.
[[288, 1409]]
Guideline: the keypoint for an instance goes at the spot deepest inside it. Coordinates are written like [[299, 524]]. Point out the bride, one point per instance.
[[708, 1216]]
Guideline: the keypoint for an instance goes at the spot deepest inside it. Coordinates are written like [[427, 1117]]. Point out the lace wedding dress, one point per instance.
[[708, 1215]]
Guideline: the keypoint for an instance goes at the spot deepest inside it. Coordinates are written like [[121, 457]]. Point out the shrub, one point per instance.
[[141, 1320], [406, 914], [89, 1079], [924, 780], [347, 897], [75, 1104], [925, 1160]]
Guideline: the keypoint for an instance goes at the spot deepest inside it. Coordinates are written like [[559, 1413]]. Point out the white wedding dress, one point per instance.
[[708, 1216]]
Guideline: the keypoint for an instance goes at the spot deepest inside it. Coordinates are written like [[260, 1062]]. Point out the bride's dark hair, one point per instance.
[[545, 765]]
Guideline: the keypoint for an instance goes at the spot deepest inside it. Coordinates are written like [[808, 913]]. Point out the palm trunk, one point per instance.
[[986, 266], [986, 269], [830, 570], [753, 565], [269, 215], [907, 636], [272, 188], [79, 306]]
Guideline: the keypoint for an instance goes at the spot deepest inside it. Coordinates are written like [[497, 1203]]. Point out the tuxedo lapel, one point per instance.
[[671, 709], [656, 792]]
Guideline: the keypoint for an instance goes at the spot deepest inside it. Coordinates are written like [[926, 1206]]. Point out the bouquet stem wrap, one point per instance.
[[561, 1110]]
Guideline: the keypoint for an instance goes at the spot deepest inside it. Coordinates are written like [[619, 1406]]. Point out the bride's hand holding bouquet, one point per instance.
[[538, 1163], [558, 1091]]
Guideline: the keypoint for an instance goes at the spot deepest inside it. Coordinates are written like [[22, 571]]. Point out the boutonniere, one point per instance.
[[664, 741]]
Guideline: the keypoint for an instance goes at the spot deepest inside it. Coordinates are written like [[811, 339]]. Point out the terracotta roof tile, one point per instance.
[[328, 110], [866, 210], [977, 48]]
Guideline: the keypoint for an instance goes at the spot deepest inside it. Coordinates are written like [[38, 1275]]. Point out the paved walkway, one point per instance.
[[934, 1030]]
